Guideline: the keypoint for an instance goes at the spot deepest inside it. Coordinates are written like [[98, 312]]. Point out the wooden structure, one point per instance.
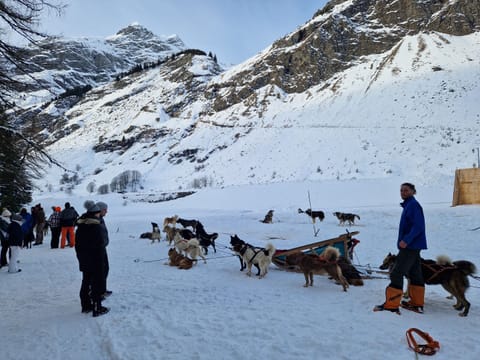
[[467, 187]]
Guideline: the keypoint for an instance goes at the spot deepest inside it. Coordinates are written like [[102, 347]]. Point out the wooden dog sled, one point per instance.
[[344, 243]]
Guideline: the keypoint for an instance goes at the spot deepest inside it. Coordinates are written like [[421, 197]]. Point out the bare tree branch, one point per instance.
[[33, 146]]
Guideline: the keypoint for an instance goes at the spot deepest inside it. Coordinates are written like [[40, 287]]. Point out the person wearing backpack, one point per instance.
[[68, 217]]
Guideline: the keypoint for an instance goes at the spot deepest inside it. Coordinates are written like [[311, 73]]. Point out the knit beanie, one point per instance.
[[91, 206], [102, 205]]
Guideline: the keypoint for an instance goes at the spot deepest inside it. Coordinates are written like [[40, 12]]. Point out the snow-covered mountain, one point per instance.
[[56, 65], [372, 89]]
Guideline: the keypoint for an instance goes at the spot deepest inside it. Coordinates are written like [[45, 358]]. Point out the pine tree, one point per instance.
[[15, 183], [21, 158]]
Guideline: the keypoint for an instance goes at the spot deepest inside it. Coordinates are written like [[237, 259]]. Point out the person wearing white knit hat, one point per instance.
[[4, 222]]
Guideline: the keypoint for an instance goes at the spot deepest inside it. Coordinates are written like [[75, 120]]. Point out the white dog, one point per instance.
[[255, 256], [189, 247]]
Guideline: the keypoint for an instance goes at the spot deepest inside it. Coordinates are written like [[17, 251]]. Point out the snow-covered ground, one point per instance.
[[214, 311]]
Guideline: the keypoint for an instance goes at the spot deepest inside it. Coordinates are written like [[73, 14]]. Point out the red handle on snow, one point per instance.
[[430, 348]]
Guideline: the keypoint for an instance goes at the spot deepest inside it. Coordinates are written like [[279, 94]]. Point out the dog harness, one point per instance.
[[255, 250], [437, 270], [430, 348]]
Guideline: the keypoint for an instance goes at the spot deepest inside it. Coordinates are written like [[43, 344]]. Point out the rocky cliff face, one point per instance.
[[459, 17], [182, 78], [58, 64], [338, 36]]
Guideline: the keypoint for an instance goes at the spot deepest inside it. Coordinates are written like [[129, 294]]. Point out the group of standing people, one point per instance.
[[90, 242], [62, 226], [33, 225]]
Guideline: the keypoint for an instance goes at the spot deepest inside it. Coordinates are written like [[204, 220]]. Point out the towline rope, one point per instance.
[[163, 259]]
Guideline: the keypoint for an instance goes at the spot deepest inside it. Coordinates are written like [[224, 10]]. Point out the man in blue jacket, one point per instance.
[[411, 240]]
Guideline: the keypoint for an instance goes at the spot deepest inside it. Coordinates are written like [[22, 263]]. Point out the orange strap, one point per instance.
[[430, 348]]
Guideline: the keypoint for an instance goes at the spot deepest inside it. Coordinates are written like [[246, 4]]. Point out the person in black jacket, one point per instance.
[[90, 250], [68, 216], [104, 209], [15, 242]]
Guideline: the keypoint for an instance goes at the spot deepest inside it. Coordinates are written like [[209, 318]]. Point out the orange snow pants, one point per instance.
[[71, 233]]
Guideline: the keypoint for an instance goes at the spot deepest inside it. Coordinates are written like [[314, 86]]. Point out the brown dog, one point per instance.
[[314, 264], [176, 259], [453, 276], [268, 218], [170, 220], [169, 233]]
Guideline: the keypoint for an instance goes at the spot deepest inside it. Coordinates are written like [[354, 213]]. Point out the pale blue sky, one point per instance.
[[234, 30]]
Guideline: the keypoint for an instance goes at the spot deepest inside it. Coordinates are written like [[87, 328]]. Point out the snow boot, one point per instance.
[[98, 309], [392, 302], [87, 306], [417, 297], [106, 294]]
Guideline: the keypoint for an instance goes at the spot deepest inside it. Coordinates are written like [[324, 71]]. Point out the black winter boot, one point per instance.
[[98, 309], [87, 307]]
